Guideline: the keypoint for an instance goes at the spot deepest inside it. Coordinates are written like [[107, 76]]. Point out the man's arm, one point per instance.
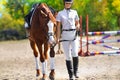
[[58, 31], [77, 24]]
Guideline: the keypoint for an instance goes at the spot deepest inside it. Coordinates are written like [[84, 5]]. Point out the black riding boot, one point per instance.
[[75, 66], [69, 68]]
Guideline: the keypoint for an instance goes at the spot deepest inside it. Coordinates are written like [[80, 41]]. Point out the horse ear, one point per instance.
[[45, 4]]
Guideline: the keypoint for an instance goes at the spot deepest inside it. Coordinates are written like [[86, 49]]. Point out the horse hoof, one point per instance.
[[43, 79], [37, 77], [51, 77]]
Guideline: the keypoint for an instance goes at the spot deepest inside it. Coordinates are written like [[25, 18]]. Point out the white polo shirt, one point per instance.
[[67, 19]]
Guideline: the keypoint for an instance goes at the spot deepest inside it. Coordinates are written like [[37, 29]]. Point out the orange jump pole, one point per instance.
[[87, 53], [81, 53]]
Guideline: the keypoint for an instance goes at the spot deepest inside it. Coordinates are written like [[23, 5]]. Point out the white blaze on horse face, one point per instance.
[[50, 26], [50, 32]]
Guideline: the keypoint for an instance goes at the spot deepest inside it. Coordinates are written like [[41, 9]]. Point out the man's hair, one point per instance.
[[68, 0], [71, 1]]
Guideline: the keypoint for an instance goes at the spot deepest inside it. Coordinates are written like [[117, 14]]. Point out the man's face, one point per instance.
[[68, 5]]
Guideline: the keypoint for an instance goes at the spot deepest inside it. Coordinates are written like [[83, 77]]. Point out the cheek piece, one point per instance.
[[50, 32]]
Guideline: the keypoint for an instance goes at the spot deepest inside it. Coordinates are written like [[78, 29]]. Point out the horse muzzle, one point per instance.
[[51, 39]]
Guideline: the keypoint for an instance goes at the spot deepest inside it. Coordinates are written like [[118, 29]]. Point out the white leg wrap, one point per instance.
[[37, 62], [52, 63], [44, 67]]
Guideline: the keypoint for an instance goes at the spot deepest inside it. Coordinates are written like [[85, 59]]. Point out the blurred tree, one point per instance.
[[116, 10], [8, 23], [103, 14], [100, 16], [19, 8], [2, 8]]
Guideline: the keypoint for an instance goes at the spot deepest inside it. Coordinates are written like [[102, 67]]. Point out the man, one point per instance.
[[69, 20]]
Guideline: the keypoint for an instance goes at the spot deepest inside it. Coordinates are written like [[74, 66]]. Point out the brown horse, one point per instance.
[[42, 39]]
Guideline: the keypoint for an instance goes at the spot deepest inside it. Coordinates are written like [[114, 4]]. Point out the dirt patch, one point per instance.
[[17, 63]]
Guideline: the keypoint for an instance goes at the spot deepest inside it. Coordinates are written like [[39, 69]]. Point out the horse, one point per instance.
[[42, 39]]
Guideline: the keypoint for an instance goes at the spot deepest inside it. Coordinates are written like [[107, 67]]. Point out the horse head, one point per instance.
[[48, 12]]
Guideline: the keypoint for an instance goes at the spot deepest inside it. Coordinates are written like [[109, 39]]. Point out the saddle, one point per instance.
[[28, 17]]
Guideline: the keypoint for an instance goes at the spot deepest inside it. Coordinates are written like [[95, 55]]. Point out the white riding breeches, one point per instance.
[[70, 48]]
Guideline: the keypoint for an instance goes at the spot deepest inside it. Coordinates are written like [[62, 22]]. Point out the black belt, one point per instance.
[[67, 40], [68, 29]]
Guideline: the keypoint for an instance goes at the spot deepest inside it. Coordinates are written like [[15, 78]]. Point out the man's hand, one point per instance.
[[77, 28], [57, 41]]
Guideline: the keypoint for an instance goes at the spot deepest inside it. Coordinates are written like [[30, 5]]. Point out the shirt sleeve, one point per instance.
[[76, 17], [58, 17]]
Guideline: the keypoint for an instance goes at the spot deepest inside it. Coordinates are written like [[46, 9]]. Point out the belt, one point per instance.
[[68, 29]]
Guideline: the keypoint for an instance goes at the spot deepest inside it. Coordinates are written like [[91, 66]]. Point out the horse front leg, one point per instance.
[[35, 52], [44, 63], [43, 59], [52, 63]]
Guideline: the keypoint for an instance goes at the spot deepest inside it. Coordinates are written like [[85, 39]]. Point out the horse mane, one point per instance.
[[52, 10]]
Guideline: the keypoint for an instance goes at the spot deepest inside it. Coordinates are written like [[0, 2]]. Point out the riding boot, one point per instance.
[[69, 68], [75, 66]]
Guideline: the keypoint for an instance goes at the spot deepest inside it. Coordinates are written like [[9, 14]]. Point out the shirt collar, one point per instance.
[[67, 10]]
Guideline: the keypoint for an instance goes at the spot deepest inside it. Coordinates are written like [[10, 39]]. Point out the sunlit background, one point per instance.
[[104, 15]]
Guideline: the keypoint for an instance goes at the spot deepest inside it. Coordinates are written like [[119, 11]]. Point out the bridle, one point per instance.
[[45, 11]]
